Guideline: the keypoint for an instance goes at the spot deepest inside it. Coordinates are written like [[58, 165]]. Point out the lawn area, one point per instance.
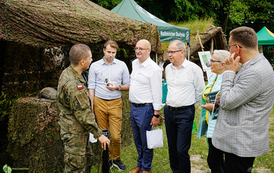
[[198, 154]]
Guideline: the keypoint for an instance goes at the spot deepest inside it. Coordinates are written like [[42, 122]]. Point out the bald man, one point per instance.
[[145, 94]]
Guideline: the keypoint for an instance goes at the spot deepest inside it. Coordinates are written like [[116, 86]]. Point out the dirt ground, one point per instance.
[[197, 164]]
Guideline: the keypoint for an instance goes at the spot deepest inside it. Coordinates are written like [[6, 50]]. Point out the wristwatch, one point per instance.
[[119, 88], [157, 115]]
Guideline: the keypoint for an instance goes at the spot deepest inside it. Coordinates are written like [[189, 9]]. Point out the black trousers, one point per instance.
[[179, 129], [237, 164], [215, 158]]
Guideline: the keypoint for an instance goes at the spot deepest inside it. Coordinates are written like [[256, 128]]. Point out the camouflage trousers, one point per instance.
[[78, 156]]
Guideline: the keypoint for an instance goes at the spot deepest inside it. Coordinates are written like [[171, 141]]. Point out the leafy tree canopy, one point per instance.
[[226, 13]]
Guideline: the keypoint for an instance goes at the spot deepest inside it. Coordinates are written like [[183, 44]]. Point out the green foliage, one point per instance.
[[200, 25], [237, 10], [227, 14], [181, 10], [172, 10], [251, 10], [5, 104], [108, 4], [124, 51], [269, 53], [6, 101]]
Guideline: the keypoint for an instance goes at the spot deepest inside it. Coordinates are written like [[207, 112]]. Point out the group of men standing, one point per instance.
[[84, 104]]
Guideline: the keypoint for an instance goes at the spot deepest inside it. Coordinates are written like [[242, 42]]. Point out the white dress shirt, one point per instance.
[[146, 83], [185, 84]]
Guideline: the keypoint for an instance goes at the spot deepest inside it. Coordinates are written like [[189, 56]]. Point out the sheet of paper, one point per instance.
[[91, 138]]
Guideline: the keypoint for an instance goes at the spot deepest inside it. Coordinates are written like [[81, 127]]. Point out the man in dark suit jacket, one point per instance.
[[246, 100]]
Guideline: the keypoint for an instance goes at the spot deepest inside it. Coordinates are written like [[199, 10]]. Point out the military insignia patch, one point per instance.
[[79, 87], [82, 98]]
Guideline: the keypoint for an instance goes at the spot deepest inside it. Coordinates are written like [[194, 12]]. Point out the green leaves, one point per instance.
[[226, 13], [251, 10], [5, 104], [238, 11], [108, 4]]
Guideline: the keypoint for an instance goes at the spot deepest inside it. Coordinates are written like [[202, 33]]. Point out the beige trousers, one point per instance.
[[109, 116]]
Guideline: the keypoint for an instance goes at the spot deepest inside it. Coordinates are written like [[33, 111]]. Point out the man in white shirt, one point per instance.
[[145, 94], [185, 84]]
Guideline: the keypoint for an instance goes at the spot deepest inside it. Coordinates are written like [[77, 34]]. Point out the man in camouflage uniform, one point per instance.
[[76, 117]]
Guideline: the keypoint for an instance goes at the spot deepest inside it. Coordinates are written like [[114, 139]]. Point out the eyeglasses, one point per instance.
[[140, 49], [212, 60], [172, 52], [229, 46]]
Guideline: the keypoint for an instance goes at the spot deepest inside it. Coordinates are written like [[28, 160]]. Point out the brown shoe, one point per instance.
[[147, 171], [136, 170]]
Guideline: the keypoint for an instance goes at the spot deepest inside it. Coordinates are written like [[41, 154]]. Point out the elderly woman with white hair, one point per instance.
[[209, 116]]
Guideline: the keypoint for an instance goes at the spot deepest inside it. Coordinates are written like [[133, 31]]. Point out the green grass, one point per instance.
[[198, 153], [196, 25], [266, 161]]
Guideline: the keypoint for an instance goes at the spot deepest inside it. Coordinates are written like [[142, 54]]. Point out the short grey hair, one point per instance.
[[221, 54], [180, 45]]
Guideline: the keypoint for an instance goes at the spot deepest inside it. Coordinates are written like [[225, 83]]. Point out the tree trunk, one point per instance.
[[227, 17]]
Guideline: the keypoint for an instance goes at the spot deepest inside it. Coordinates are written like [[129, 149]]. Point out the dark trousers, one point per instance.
[[215, 158], [140, 118], [179, 129], [237, 164]]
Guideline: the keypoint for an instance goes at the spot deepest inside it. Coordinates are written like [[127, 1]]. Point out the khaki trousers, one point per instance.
[[109, 116]]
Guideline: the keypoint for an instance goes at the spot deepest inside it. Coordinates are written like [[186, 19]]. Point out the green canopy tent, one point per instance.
[[265, 37], [168, 32], [266, 43]]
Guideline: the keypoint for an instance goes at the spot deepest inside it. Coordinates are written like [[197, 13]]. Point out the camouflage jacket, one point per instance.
[[73, 101]]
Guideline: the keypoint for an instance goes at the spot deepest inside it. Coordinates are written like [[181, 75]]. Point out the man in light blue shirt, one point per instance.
[[107, 78]]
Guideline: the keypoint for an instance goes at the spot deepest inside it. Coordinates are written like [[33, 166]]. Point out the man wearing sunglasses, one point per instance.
[[246, 100]]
